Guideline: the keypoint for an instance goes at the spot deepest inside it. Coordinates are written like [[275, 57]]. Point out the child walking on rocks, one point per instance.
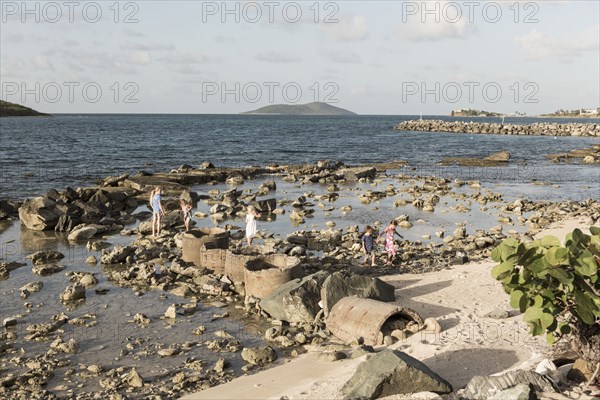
[[157, 210], [251, 216], [186, 209], [368, 246], [390, 243]]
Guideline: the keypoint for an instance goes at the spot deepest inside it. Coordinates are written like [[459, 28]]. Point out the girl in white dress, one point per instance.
[[251, 216]]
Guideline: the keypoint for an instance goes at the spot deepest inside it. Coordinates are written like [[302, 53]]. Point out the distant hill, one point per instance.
[[301, 109], [8, 109]]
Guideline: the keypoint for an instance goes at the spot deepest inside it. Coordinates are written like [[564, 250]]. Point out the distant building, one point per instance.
[[590, 111]]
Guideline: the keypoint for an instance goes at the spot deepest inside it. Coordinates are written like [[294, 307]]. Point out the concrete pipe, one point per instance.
[[196, 242], [354, 318], [236, 262], [234, 265], [265, 274]]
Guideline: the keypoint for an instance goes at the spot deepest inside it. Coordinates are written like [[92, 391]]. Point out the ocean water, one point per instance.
[[73, 150]]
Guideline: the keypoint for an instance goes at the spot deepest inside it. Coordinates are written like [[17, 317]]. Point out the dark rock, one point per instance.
[[73, 292], [339, 285], [297, 300], [500, 156], [484, 387], [117, 255], [266, 206], [47, 269], [295, 239], [259, 356], [206, 165], [38, 214], [391, 372], [7, 210], [66, 223], [519, 392], [82, 232], [186, 196], [45, 256]]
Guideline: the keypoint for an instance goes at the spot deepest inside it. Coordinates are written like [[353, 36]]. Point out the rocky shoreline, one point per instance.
[[290, 319], [542, 128]]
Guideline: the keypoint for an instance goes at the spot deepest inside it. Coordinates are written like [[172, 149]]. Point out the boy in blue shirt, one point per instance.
[[368, 244]]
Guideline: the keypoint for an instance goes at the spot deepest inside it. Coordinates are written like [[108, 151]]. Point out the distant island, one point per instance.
[[316, 108], [467, 112], [8, 109]]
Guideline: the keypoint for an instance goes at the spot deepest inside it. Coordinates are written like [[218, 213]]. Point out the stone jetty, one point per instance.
[[537, 129]]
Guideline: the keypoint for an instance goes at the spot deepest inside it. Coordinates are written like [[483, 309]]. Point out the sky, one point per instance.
[[371, 57]]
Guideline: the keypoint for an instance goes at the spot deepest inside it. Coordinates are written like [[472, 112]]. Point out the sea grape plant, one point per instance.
[[555, 286]]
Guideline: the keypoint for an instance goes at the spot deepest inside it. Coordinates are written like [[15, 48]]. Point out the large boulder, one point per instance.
[[82, 232], [38, 214], [7, 210], [296, 300], [266, 205], [391, 372], [339, 285], [356, 173], [485, 387]]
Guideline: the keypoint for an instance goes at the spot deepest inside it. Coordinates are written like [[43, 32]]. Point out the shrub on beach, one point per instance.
[[556, 287]]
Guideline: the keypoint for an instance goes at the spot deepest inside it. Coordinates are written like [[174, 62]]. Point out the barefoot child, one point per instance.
[[251, 224], [157, 210], [390, 244], [186, 209], [367, 246]]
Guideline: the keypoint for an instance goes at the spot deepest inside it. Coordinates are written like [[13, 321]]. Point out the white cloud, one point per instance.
[[140, 58], [539, 45], [432, 27], [347, 31], [187, 63], [148, 47], [132, 33], [224, 39], [341, 56], [274, 57], [42, 62]]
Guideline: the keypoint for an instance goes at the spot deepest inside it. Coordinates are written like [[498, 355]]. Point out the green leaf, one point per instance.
[[594, 230], [550, 241], [538, 301], [528, 256], [496, 254], [550, 338], [557, 255], [515, 298], [538, 267], [546, 320], [585, 308], [532, 314], [586, 266], [499, 270], [536, 328], [563, 276]]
